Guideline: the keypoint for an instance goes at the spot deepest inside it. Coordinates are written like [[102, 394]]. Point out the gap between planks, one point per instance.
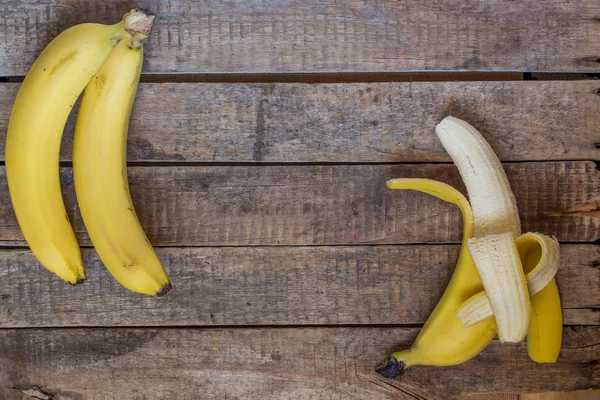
[[348, 77]]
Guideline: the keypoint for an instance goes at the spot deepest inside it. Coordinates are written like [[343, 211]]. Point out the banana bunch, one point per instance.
[[503, 282], [106, 61]]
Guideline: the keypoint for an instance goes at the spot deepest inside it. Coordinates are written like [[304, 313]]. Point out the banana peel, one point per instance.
[[544, 338], [444, 340]]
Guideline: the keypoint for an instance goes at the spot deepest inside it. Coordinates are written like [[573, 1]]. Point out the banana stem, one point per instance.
[[138, 22]]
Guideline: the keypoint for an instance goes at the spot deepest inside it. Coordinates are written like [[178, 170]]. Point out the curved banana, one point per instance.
[[444, 340], [51, 87], [100, 173]]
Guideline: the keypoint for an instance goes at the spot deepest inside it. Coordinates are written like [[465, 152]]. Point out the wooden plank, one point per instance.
[[302, 35], [375, 122], [339, 204], [269, 286], [575, 395], [292, 363]]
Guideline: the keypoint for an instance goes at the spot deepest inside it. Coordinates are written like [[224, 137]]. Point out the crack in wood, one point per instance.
[[591, 209], [34, 392]]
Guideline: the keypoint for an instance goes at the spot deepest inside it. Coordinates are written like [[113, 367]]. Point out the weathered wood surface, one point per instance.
[[340, 204], [286, 363], [590, 394], [303, 35], [269, 286], [376, 122]]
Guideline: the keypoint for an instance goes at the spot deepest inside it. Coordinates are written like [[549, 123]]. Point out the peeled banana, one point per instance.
[[43, 103], [100, 172], [496, 226], [490, 250]]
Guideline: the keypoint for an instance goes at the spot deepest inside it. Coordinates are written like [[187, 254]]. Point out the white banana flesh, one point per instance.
[[496, 226], [492, 200], [497, 260]]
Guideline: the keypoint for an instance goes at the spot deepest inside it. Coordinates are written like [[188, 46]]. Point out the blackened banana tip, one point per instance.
[[391, 369], [80, 280], [165, 289]]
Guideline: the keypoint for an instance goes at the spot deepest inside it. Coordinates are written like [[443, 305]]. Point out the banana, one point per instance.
[[100, 173], [444, 340], [496, 226], [490, 257], [51, 87]]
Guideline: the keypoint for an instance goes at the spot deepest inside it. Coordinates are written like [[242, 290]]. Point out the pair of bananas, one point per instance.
[[503, 282], [106, 61]]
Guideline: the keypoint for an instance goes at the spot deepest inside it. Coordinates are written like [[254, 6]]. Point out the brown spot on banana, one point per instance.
[[63, 61]]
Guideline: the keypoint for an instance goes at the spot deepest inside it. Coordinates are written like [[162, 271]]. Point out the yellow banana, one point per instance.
[[444, 340], [51, 87], [100, 173]]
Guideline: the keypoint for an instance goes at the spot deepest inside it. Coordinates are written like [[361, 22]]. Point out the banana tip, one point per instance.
[[78, 281], [165, 289], [391, 368]]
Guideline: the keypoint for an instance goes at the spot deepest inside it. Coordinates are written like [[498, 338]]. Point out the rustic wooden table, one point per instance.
[[295, 271]]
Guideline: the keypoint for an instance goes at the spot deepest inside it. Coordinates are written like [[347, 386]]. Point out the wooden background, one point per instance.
[[260, 143]]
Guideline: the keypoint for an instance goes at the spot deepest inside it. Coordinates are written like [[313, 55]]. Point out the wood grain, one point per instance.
[[577, 395], [291, 363], [574, 395], [340, 204], [303, 35], [269, 286], [376, 122]]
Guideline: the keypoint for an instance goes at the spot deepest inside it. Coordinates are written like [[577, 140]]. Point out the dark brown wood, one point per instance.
[[290, 363], [375, 122], [341, 204], [269, 286], [303, 35]]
